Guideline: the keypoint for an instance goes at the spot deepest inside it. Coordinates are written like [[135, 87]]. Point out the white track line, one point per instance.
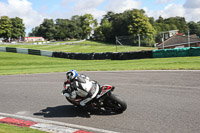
[[2, 117], [53, 128]]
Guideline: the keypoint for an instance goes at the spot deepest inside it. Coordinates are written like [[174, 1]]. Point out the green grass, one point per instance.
[[14, 63], [82, 47], [4, 128], [95, 43], [58, 42]]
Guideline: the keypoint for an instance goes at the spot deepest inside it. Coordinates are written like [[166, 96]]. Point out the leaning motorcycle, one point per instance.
[[104, 100]]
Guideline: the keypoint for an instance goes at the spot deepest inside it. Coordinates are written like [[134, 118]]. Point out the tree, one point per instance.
[[75, 31], [46, 29], [78, 31], [140, 26], [172, 23], [98, 35], [79, 27], [160, 20], [88, 23], [5, 27], [194, 28], [104, 31], [128, 23], [151, 21], [61, 29], [179, 22], [67, 29], [109, 16], [18, 29], [106, 28], [34, 31]]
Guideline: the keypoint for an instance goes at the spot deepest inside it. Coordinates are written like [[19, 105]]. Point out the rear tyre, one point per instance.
[[116, 104]]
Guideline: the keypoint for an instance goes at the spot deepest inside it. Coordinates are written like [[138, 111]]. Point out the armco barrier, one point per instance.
[[2, 49], [46, 53], [9, 49], [22, 50], [34, 52]]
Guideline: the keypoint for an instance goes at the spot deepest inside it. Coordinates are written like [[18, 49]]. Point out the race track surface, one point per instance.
[[158, 101]]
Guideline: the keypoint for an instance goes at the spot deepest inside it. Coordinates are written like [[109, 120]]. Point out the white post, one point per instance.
[[116, 42], [188, 38], [163, 40], [139, 40]]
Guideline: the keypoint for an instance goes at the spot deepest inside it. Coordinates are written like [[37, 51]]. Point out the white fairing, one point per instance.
[[82, 90], [86, 86], [82, 103]]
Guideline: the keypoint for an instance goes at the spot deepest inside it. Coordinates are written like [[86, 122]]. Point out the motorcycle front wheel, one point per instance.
[[115, 104]]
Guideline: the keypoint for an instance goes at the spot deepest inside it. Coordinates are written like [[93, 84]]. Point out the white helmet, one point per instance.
[[71, 74]]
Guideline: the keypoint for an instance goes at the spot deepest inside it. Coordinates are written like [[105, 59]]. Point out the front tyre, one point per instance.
[[116, 103]]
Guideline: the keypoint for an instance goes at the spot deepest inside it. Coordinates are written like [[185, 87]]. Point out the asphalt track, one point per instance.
[[158, 101]]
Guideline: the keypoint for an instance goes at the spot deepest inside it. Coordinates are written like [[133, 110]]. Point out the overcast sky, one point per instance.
[[34, 11]]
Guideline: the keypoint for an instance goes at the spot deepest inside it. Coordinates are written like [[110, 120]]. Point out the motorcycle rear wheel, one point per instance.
[[116, 104]]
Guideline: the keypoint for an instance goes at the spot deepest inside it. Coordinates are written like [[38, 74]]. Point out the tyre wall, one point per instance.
[[181, 52]]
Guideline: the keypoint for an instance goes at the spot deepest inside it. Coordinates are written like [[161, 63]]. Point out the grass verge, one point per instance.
[[5, 128], [14, 63], [83, 47]]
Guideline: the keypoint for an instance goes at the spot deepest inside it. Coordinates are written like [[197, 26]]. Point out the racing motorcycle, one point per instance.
[[104, 100]]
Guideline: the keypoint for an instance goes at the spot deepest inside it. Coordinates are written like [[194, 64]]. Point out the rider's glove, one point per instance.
[[64, 91]]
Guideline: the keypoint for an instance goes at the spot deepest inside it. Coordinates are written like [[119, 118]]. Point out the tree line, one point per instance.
[[12, 28], [78, 27], [133, 23]]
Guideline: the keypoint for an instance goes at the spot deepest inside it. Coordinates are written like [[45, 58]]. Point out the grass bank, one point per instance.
[[81, 47], [14, 63]]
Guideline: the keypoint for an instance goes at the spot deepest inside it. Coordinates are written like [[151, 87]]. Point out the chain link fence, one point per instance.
[[138, 41]]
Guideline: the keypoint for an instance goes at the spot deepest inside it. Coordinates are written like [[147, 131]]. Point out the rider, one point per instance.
[[80, 87]]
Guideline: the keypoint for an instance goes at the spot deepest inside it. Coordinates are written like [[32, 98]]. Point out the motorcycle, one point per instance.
[[104, 100]]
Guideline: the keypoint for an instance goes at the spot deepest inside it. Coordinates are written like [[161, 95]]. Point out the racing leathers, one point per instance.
[[81, 88]]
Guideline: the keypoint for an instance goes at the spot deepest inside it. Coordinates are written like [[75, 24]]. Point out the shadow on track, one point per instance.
[[70, 111]]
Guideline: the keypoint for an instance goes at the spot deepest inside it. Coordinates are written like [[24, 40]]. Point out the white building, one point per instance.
[[33, 39]]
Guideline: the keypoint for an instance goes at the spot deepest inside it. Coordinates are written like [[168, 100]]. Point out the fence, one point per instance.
[[139, 40]]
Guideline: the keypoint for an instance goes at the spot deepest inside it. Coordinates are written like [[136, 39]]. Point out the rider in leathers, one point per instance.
[[80, 87]]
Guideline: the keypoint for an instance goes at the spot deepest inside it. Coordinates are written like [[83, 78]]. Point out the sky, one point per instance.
[[33, 12]]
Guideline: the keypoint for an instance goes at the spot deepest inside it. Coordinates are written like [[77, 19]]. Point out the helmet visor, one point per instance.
[[69, 75]]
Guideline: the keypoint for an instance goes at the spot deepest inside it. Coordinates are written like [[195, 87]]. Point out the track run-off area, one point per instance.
[[157, 101]]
